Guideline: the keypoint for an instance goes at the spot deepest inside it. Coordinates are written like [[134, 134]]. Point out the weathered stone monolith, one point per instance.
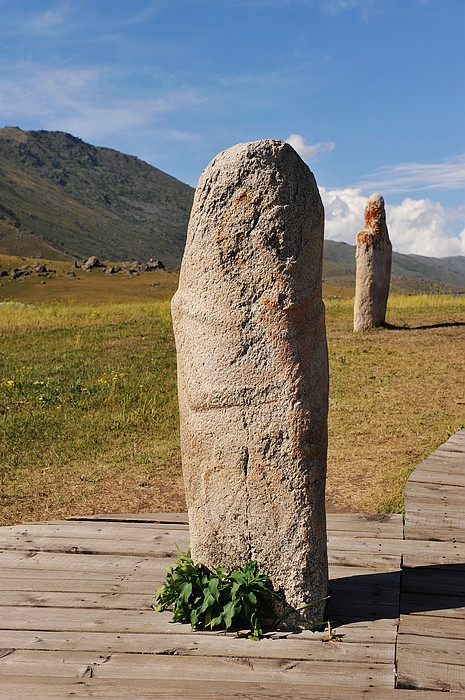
[[373, 267], [252, 369]]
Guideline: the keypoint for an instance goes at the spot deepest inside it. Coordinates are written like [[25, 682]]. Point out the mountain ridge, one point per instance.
[[88, 200], [62, 198]]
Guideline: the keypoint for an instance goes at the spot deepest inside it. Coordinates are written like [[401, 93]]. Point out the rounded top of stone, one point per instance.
[[261, 148], [376, 197]]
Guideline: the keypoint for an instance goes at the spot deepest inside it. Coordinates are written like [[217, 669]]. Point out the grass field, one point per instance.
[[88, 408]]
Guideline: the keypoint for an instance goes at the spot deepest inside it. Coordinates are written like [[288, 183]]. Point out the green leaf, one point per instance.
[[252, 598], [238, 576], [229, 611], [213, 587], [208, 601], [186, 590]]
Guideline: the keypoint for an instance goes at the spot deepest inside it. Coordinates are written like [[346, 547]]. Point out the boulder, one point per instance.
[[90, 263]]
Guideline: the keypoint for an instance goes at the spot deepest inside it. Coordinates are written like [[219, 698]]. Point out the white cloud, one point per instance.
[[311, 152], [415, 226], [422, 226], [409, 177]]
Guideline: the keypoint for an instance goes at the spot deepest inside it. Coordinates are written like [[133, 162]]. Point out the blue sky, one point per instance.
[[369, 92]]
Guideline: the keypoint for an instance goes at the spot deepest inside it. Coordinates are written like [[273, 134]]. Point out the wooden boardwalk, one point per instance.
[[76, 615]]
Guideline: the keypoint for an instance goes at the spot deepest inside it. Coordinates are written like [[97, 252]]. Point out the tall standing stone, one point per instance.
[[252, 369], [373, 267]]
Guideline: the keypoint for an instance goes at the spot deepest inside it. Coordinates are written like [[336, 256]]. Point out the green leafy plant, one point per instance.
[[208, 598]]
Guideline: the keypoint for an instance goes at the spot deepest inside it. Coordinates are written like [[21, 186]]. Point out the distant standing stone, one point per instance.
[[373, 267], [252, 369]]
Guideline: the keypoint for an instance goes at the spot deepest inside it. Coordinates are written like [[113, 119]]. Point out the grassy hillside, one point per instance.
[[58, 192]]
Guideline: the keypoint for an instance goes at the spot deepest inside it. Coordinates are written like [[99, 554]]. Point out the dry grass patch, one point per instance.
[[88, 405], [396, 394]]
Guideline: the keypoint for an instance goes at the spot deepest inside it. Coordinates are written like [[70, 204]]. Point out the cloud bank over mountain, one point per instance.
[[421, 226], [418, 226]]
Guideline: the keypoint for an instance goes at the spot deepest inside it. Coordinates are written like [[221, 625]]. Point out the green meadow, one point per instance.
[[88, 405]]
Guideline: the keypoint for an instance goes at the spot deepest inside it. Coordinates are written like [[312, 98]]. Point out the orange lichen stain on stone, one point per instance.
[[364, 238], [270, 303], [373, 217], [243, 197]]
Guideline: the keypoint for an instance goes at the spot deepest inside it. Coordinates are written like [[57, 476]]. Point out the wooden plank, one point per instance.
[[433, 553], [426, 626], [441, 551], [97, 567], [419, 531], [367, 634], [442, 580], [365, 525], [367, 560], [43, 581], [369, 545], [92, 530], [366, 586], [440, 650], [343, 612], [416, 671], [372, 576], [88, 620], [66, 599], [433, 605], [390, 524], [453, 446], [446, 479], [446, 462], [235, 669], [348, 525], [142, 621], [136, 517], [434, 495], [368, 594], [435, 519], [160, 546], [63, 563], [115, 567], [303, 647], [167, 689], [422, 507]]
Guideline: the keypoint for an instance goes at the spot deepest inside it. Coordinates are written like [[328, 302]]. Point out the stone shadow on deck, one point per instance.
[[386, 594]]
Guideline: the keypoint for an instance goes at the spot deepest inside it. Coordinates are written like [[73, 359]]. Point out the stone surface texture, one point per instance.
[[252, 369], [373, 267]]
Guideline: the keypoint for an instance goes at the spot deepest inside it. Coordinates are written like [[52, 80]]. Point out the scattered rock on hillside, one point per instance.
[[134, 267], [38, 269], [90, 263], [155, 264]]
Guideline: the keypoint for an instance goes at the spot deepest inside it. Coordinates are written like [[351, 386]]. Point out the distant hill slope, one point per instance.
[[409, 272], [57, 192], [61, 198]]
